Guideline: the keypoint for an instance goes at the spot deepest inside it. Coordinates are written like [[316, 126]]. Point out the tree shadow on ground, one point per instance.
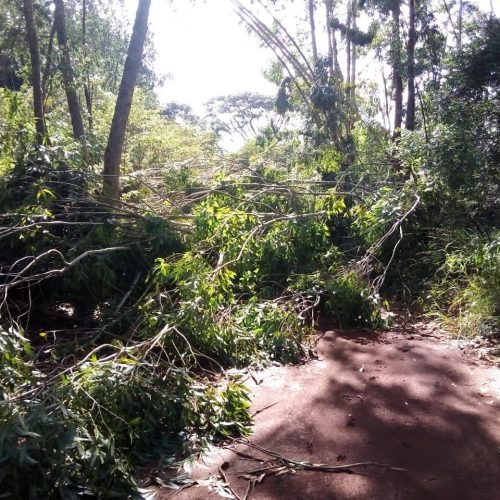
[[389, 399]]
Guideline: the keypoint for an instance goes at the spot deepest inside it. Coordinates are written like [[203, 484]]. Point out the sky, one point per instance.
[[205, 50], [208, 53]]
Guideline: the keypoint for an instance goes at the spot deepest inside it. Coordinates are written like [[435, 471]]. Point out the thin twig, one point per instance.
[[265, 408], [280, 461], [229, 487]]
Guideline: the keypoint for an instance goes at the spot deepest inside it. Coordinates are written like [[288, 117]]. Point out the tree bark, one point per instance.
[[412, 40], [348, 44], [312, 26], [86, 86], [398, 80], [459, 26], [353, 49], [48, 60], [332, 42], [112, 155], [36, 79], [67, 71], [336, 63], [329, 32], [386, 99]]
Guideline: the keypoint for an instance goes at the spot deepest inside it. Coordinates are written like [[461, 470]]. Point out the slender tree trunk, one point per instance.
[[86, 86], [336, 55], [423, 111], [386, 99], [36, 80], [398, 80], [459, 26], [348, 44], [312, 26], [332, 41], [412, 40], [48, 60], [67, 71], [353, 49], [88, 104], [112, 155], [329, 34]]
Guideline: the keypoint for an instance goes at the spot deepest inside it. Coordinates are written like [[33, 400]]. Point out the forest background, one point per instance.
[[142, 267]]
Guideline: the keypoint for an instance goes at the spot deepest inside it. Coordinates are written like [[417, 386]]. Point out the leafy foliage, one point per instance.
[[465, 292], [96, 423], [120, 322]]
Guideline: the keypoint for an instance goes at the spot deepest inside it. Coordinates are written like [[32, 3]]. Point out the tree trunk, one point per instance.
[[353, 49], [332, 42], [86, 86], [112, 155], [348, 44], [386, 99], [459, 26], [36, 80], [312, 25], [67, 71], [412, 40], [336, 56], [398, 80], [48, 61], [329, 36]]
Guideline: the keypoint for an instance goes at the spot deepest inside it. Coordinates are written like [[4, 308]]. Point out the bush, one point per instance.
[[342, 297], [215, 320], [87, 431], [465, 292]]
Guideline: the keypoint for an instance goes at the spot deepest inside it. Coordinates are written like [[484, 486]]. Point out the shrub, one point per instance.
[[87, 431], [464, 292]]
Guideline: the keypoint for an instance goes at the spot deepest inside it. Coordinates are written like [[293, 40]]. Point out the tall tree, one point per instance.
[[348, 43], [288, 52], [396, 68], [312, 26], [86, 85], [412, 40], [114, 147], [36, 80], [459, 25], [243, 114], [48, 61], [354, 15], [67, 71], [332, 41]]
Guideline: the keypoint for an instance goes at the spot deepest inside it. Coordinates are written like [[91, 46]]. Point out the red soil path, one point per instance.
[[404, 398]]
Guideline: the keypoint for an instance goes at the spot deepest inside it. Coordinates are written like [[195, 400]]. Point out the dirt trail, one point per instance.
[[400, 398]]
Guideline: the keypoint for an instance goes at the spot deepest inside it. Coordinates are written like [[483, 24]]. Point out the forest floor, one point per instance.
[[410, 397]]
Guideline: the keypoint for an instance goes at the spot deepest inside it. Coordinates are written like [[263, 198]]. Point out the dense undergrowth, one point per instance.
[[123, 356], [126, 329], [119, 328]]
